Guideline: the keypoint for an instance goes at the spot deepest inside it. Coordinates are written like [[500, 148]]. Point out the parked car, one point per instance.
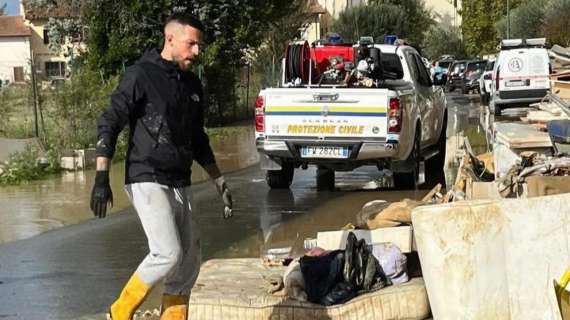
[[455, 74], [520, 75], [485, 82], [470, 79]]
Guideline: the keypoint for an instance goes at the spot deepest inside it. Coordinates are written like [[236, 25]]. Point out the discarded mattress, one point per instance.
[[237, 289], [494, 259]]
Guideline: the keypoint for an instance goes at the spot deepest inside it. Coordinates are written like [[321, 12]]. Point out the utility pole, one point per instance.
[[508, 21], [247, 85], [454, 13], [34, 92]]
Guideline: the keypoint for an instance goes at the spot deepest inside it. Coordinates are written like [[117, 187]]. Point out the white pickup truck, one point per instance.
[[394, 124]]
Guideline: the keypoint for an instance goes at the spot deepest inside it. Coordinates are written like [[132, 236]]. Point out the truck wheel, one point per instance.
[[409, 180], [436, 164], [484, 99], [280, 179], [497, 109], [325, 179], [464, 89]]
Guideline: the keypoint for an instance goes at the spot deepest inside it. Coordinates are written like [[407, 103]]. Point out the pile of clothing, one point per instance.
[[335, 277]]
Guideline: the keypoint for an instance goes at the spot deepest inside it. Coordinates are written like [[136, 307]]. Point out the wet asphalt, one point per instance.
[[77, 271]]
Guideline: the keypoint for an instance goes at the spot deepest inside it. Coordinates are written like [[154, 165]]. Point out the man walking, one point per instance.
[[161, 102]]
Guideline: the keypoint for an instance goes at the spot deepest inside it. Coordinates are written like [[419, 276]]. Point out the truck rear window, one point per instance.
[[391, 63]]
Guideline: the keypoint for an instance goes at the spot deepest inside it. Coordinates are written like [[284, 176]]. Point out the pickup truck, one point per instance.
[[395, 124]]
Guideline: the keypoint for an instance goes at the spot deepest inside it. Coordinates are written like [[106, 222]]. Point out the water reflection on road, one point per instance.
[[29, 209]]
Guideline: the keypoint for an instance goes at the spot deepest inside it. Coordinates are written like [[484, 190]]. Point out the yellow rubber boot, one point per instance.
[[174, 307], [132, 296]]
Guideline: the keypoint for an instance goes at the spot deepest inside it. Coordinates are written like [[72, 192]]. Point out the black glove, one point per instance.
[[101, 195], [226, 196]]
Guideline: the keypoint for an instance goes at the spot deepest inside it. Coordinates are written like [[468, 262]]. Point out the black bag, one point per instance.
[[361, 268], [321, 274], [342, 274]]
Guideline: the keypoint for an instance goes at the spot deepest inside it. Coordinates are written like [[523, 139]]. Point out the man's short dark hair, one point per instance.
[[186, 19]]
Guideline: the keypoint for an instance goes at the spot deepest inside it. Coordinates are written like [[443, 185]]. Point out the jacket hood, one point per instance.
[[153, 56]]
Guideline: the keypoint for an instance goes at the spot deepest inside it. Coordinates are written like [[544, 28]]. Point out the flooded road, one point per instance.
[[78, 270], [30, 209]]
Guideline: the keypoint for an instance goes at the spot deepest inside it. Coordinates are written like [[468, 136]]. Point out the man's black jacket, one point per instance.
[[164, 110]]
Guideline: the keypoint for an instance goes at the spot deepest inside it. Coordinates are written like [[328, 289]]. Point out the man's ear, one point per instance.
[[168, 39]]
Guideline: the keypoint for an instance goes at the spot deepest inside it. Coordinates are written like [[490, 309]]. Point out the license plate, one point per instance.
[[515, 84], [324, 152]]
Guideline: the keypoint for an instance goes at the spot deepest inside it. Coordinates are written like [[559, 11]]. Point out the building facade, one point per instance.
[[323, 12], [50, 64], [15, 53], [445, 12]]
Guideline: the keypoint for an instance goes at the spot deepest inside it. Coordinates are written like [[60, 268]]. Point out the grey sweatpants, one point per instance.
[[166, 215]]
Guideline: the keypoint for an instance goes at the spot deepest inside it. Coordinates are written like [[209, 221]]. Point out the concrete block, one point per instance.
[[78, 159]]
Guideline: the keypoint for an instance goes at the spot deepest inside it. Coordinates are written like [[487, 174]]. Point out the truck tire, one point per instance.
[[464, 89], [484, 98], [435, 165], [497, 109], [325, 179], [409, 180], [280, 179]]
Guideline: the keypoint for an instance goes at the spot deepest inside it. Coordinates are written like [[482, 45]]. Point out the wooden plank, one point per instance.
[[550, 108], [518, 135], [544, 116], [561, 89]]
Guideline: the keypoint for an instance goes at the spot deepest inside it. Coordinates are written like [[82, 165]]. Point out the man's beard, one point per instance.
[[184, 64]]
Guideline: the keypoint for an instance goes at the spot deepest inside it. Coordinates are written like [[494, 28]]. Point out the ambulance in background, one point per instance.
[[520, 75]]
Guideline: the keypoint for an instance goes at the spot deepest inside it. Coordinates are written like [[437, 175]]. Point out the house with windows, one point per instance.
[[49, 63], [15, 53]]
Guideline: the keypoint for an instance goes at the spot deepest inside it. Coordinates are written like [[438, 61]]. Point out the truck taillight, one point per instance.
[[259, 114], [394, 116]]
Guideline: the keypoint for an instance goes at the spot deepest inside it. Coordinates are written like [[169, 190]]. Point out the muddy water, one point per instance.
[[29, 209]]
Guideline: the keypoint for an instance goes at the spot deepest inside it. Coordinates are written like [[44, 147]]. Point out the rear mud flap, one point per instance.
[[266, 163]]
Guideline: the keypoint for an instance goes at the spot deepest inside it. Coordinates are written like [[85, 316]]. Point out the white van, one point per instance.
[[520, 74]]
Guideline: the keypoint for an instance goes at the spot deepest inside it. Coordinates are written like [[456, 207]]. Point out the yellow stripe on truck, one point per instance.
[[363, 109]]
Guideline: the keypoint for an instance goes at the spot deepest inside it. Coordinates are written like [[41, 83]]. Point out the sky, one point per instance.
[[13, 7]]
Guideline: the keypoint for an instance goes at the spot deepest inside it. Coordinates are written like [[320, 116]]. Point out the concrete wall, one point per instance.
[[14, 52]]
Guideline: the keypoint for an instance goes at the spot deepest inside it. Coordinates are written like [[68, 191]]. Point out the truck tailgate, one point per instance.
[[326, 114]]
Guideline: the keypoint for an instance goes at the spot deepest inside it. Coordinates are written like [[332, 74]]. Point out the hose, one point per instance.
[[297, 56]]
